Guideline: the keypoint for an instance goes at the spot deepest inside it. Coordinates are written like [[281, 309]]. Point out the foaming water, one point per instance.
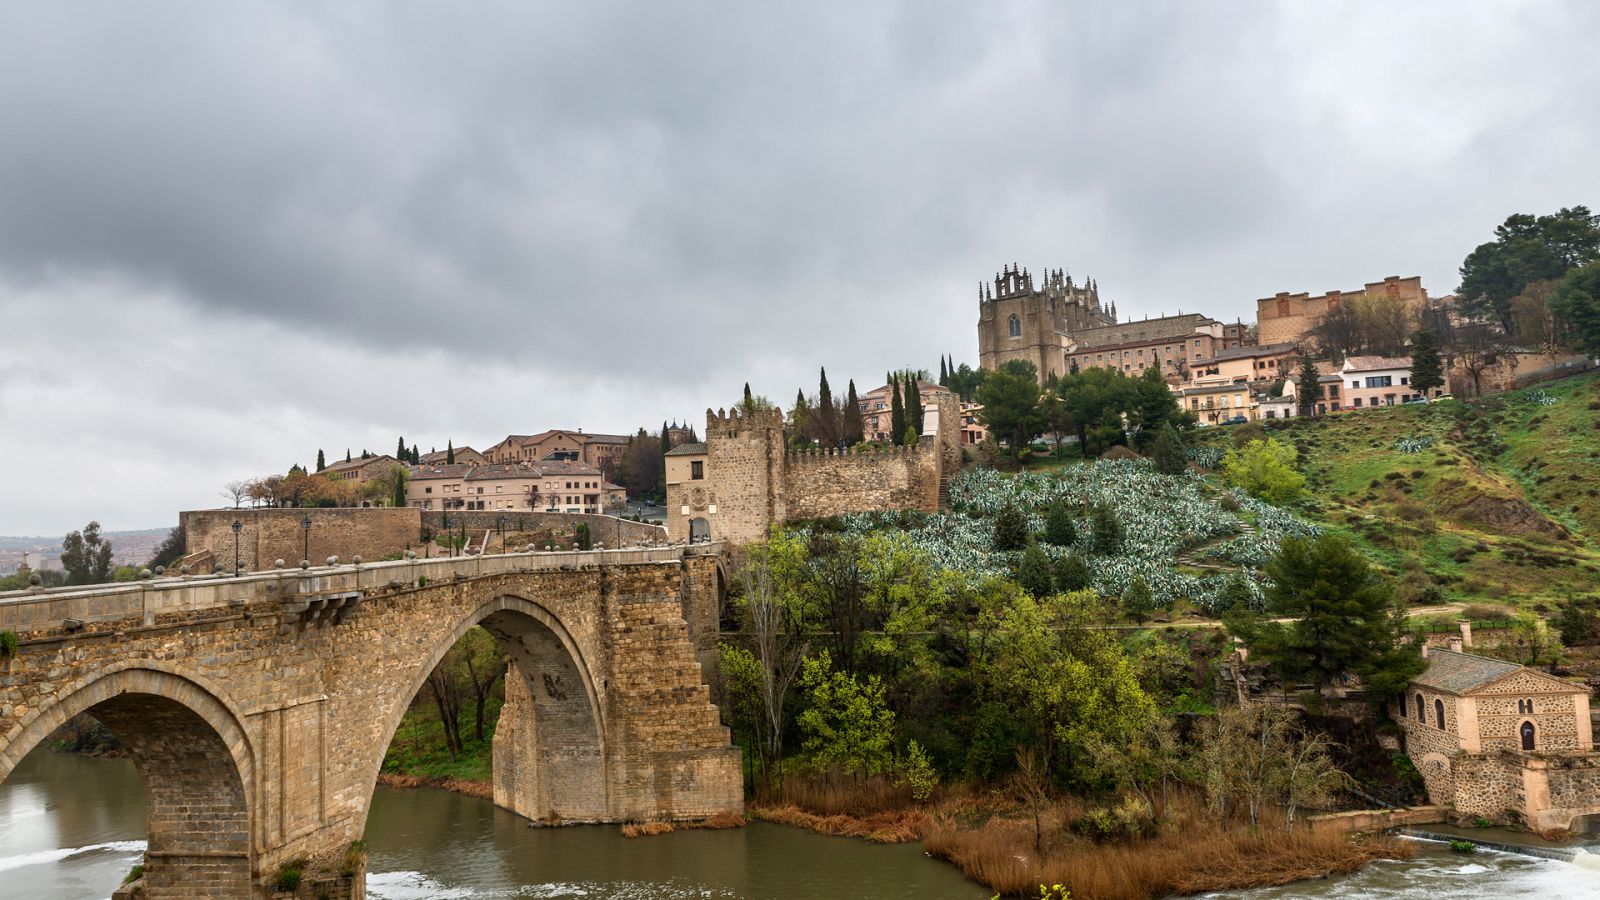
[[48, 856], [1438, 874]]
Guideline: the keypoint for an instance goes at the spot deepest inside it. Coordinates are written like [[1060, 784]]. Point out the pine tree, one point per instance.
[[913, 403], [1308, 390], [1059, 529], [322, 461], [1138, 601], [1426, 372], [1010, 530], [897, 413], [1033, 572], [1071, 573], [1167, 452], [449, 453], [1107, 531], [854, 427]]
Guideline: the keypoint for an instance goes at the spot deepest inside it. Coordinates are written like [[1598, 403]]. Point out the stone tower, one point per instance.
[[1018, 321]]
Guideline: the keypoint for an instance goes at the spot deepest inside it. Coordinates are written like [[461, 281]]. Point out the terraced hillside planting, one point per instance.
[[1496, 499]]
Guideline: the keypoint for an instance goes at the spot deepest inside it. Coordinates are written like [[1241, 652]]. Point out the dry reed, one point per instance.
[[480, 789]]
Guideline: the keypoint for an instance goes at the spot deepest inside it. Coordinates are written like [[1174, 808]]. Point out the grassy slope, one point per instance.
[[1504, 507], [418, 747]]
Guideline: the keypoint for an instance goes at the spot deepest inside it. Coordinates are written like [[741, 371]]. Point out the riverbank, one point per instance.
[[483, 790]]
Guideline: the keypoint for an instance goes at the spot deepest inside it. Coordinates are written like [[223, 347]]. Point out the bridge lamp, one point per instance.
[[305, 540], [238, 526]]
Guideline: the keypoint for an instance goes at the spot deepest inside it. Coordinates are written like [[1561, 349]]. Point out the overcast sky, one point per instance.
[[234, 233]]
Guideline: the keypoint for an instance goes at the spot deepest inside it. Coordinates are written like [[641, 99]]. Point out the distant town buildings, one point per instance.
[[560, 444], [1293, 317], [545, 486]]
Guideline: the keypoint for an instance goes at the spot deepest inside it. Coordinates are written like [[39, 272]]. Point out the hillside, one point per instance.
[[1495, 500]]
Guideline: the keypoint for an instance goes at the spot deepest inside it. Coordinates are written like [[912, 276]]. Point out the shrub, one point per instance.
[[1128, 819], [582, 536], [289, 875], [1264, 469], [1482, 822], [354, 856], [8, 644], [1108, 534], [1059, 529], [1137, 600], [1033, 573], [134, 874], [1010, 530], [918, 773], [1071, 573], [1459, 846]]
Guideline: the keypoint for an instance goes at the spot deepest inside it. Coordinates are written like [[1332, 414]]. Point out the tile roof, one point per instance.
[[687, 450], [443, 470], [356, 463], [439, 456], [1375, 363], [1461, 673]]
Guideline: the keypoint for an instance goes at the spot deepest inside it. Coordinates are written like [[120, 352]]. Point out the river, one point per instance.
[[70, 828]]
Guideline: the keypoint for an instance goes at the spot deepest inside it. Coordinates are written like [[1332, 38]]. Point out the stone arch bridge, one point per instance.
[[258, 709]]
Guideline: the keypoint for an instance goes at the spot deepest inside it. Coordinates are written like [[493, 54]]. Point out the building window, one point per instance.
[[1525, 707], [1438, 712], [1528, 736], [1014, 327], [697, 470], [1377, 381], [1422, 715], [1358, 403]]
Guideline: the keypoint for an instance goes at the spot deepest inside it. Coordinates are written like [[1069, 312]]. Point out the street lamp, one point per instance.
[[500, 523], [305, 540], [238, 526], [449, 539]]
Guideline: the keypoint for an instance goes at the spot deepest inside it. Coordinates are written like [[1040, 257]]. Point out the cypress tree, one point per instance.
[[322, 462], [944, 373], [449, 452], [1307, 390], [1107, 531], [853, 426], [802, 415], [828, 417], [399, 490], [661, 463], [347, 454], [1010, 530], [1059, 528], [402, 453], [913, 403], [1426, 372], [749, 401], [897, 413]]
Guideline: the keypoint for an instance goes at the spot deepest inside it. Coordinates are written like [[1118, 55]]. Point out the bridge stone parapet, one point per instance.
[[258, 709]]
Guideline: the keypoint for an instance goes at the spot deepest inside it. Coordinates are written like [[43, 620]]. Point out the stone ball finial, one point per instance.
[[217, 569], [529, 549], [305, 563], [333, 560], [161, 570], [184, 570], [278, 564], [356, 559], [411, 554], [146, 573], [548, 548], [34, 580]]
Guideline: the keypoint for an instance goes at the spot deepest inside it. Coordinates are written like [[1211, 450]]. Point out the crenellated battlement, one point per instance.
[[728, 422], [805, 455]]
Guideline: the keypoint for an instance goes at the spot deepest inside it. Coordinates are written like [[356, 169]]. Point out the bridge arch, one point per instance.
[[194, 757], [550, 745]]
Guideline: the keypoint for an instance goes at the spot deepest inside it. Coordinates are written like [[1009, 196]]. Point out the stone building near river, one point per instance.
[[742, 480], [1499, 740]]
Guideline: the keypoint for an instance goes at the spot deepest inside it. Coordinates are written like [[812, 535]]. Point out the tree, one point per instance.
[[748, 399], [1010, 398], [1254, 756], [1308, 391], [1578, 620], [897, 412], [1071, 574], [774, 618], [1526, 249], [347, 454], [913, 403], [450, 452], [1153, 406], [322, 462], [1264, 469], [965, 380], [170, 550], [86, 556], [1033, 572], [1167, 452], [398, 492], [403, 453], [237, 491], [663, 444], [1138, 601], [800, 419], [1108, 534], [1059, 528], [582, 536], [1010, 530], [847, 724], [854, 427], [827, 424], [1577, 301], [1427, 373], [944, 374], [1342, 619]]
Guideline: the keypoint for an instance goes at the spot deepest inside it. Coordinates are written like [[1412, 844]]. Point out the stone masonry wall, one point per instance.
[[817, 485], [744, 473], [273, 534], [604, 528]]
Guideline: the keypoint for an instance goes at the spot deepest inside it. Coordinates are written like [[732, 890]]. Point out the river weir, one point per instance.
[[72, 827]]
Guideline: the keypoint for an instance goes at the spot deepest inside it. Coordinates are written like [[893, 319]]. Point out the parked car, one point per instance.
[[1415, 398], [1235, 420]]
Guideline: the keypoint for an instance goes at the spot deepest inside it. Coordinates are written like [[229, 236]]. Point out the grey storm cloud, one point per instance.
[[617, 213]]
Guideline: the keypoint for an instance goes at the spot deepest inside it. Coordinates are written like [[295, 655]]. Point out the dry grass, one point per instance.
[[1001, 856], [481, 790], [893, 827], [650, 829], [647, 829]]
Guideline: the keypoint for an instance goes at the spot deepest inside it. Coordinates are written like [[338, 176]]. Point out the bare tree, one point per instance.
[[237, 491], [776, 635], [1031, 785]]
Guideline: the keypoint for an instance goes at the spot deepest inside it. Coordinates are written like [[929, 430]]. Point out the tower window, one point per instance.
[[1014, 327]]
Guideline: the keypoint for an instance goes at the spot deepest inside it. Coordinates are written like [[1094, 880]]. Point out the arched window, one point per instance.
[[1438, 712], [1422, 711], [1014, 327], [1402, 707], [1528, 733], [1525, 707]]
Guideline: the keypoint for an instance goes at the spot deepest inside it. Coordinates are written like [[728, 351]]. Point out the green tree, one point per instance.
[[449, 453], [827, 424], [402, 453], [897, 412], [1427, 373], [1010, 530], [1167, 452], [1526, 249], [1328, 615], [1108, 534], [1578, 620], [1059, 528], [1235, 594], [847, 724], [1011, 409], [913, 403], [965, 381], [86, 556], [1577, 302], [1033, 572], [1071, 573], [1307, 390], [1264, 469], [1154, 406], [854, 427], [1138, 601], [322, 462], [944, 373]]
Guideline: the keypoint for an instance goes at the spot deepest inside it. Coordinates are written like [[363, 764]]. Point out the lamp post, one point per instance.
[[238, 526], [449, 539], [305, 539], [500, 524]]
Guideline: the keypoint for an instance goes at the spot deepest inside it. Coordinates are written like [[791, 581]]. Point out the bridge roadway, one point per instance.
[[257, 709]]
